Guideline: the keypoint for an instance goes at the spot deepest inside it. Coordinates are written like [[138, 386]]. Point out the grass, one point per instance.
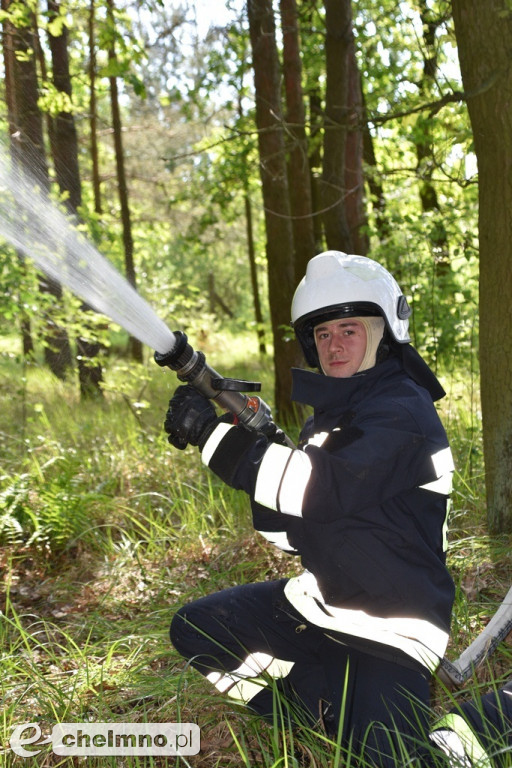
[[106, 530]]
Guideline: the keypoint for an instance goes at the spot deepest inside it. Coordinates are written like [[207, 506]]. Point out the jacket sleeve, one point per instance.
[[388, 455], [274, 527], [338, 472]]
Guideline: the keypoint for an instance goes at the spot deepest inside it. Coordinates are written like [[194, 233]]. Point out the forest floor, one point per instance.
[[88, 642], [105, 531]]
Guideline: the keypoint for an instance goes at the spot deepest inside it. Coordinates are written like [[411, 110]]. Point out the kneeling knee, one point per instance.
[[178, 631], [185, 634]]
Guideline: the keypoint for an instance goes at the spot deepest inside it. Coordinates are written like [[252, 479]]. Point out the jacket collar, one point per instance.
[[326, 391], [323, 392]]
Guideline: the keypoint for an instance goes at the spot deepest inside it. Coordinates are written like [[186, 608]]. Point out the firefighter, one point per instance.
[[350, 643]]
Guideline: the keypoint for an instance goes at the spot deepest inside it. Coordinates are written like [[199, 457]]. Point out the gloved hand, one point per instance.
[[190, 419]]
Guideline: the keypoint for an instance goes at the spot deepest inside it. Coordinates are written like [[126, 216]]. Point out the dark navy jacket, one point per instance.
[[363, 503], [369, 532]]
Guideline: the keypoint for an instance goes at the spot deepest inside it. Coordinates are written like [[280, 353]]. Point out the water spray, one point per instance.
[[36, 227]]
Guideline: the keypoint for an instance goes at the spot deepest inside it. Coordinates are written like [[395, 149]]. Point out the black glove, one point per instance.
[[190, 419]]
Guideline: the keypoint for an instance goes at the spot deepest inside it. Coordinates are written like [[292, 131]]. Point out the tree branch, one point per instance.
[[433, 107]]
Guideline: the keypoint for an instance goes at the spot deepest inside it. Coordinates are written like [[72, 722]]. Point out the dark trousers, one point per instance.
[[368, 698]]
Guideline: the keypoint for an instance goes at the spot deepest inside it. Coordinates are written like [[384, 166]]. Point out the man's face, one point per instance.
[[341, 346]]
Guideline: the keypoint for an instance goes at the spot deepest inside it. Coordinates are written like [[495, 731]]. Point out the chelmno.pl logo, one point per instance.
[[84, 739]]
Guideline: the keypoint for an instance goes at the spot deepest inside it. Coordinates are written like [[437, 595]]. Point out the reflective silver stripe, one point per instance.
[[278, 539], [442, 485], [270, 474], [445, 524], [294, 484], [245, 682], [213, 441], [443, 462], [282, 479], [443, 467], [418, 638], [455, 737], [452, 746], [318, 439], [245, 690]]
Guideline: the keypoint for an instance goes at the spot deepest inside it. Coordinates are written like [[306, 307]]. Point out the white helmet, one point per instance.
[[338, 284]]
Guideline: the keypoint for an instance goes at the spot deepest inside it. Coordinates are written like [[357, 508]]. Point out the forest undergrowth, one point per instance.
[[106, 530]]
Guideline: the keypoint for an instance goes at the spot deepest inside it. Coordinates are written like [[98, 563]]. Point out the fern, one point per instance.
[[49, 508], [12, 501]]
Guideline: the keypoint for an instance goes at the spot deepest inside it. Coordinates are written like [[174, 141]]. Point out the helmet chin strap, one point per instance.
[[374, 327]]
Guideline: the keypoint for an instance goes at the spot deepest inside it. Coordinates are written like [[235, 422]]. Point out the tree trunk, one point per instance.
[[313, 96], [298, 165], [64, 138], [354, 174], [9, 65], [258, 314], [251, 251], [64, 145], [423, 141], [338, 41], [28, 150], [10, 95], [29, 145], [484, 32], [315, 162], [273, 172], [377, 197], [93, 117], [122, 186]]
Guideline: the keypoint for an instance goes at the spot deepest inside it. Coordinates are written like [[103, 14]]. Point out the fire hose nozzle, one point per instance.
[[191, 366], [179, 355]]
